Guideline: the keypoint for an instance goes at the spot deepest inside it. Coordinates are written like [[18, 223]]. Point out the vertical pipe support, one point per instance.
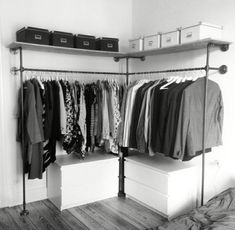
[[207, 69], [24, 212], [123, 151]]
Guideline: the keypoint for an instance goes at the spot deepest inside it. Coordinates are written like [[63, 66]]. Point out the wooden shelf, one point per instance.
[[201, 44], [64, 50]]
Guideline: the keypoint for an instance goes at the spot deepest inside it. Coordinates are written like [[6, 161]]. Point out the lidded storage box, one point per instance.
[[107, 44], [33, 35], [62, 39], [152, 42], [201, 31], [82, 41], [136, 44], [170, 38]]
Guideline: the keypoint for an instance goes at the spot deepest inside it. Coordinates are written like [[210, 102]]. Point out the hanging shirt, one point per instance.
[[189, 128], [32, 134], [129, 111]]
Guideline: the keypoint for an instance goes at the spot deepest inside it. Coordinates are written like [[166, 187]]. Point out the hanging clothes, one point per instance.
[[33, 135], [168, 119], [189, 132], [82, 117]]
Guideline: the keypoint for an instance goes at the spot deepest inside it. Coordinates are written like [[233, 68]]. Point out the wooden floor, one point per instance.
[[111, 214]]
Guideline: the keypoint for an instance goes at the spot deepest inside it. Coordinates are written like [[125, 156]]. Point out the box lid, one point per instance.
[[151, 35], [205, 24], [32, 28], [173, 31], [61, 33], [107, 38], [85, 36], [135, 39]]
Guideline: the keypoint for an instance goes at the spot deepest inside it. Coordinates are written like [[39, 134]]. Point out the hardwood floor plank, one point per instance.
[[147, 217], [112, 216], [51, 216], [88, 220], [38, 217], [66, 216], [127, 214], [99, 217], [23, 222], [6, 221]]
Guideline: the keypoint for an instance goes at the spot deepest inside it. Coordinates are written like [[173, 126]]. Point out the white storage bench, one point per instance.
[[73, 181], [166, 185]]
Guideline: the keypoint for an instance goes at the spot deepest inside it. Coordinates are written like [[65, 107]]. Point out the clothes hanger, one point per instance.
[[169, 82]]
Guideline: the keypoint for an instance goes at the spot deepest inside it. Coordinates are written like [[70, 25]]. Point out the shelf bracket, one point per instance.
[[14, 71], [223, 47], [223, 69], [14, 51]]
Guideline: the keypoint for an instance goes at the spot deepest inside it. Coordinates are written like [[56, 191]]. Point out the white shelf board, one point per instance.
[[201, 44], [64, 50]]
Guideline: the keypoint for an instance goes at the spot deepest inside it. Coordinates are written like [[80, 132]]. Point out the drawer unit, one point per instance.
[[107, 44], [152, 42], [136, 44], [62, 39], [84, 42], [166, 185], [170, 38], [73, 182], [200, 31], [33, 35]]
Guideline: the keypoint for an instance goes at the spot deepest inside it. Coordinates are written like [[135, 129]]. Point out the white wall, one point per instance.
[[152, 16], [100, 18]]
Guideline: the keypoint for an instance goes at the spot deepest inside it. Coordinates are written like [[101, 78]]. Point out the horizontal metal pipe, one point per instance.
[[116, 73], [69, 71]]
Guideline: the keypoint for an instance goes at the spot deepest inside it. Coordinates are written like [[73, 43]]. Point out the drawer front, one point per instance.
[[147, 176], [152, 42], [170, 39], [136, 45], [80, 174], [147, 195], [95, 190]]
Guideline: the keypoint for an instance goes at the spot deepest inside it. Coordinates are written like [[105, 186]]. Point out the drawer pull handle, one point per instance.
[[150, 43], [168, 39], [110, 45], [189, 35], [63, 40], [38, 37], [86, 43]]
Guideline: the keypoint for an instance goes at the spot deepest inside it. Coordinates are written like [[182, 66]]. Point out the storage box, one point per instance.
[[62, 39], [152, 42], [170, 38], [201, 31], [107, 44], [33, 35], [82, 41], [136, 44]]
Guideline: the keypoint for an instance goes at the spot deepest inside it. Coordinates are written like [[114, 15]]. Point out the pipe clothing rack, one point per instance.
[[123, 152]]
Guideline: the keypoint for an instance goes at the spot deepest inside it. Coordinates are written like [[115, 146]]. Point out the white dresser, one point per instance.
[[166, 185], [73, 182]]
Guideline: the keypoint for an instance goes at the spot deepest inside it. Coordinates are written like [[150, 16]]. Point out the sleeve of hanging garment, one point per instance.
[[182, 128], [32, 124], [220, 116]]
